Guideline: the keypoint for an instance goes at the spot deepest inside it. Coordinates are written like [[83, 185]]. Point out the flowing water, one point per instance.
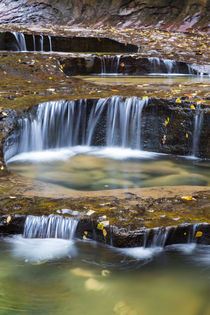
[[55, 276], [95, 145], [49, 271]]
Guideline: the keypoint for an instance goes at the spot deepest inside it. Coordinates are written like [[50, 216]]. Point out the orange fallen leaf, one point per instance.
[[198, 234], [115, 90]]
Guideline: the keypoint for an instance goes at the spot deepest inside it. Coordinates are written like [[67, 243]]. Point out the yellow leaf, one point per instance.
[[50, 78], [188, 198], [166, 121], [84, 237], [187, 135], [198, 234], [9, 219], [104, 233], [100, 226], [178, 100], [192, 106]]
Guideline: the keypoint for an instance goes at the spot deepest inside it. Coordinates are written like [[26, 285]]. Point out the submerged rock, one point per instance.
[[174, 180]]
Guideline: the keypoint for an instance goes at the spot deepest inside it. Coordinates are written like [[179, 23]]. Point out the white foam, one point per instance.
[[141, 252], [183, 248], [119, 153], [37, 250], [64, 154]]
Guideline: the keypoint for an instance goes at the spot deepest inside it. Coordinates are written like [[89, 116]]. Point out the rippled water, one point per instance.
[[54, 276], [94, 168]]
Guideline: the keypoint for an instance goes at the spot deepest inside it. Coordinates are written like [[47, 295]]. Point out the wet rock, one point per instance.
[[174, 180], [93, 285], [82, 273], [161, 168]]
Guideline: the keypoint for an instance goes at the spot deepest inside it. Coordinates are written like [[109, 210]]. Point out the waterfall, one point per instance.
[[21, 42], [109, 122], [168, 66], [183, 234], [34, 42], [115, 64], [155, 64], [103, 65], [52, 226], [41, 43], [198, 122], [110, 64], [50, 43]]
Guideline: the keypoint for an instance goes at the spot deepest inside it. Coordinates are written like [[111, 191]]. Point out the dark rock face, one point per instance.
[[124, 65], [166, 14], [65, 44]]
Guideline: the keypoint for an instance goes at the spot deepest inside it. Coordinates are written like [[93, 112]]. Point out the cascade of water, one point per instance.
[[103, 65], [52, 226], [198, 122], [34, 42], [124, 122], [170, 65], [21, 42], [41, 43], [50, 42], [155, 63], [109, 122], [158, 237], [115, 63]]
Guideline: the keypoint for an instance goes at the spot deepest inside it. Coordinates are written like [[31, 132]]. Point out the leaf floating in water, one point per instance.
[[186, 135], [199, 234], [188, 198], [192, 106], [105, 273], [40, 263], [178, 100]]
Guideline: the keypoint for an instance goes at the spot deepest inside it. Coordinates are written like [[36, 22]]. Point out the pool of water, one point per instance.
[[153, 79], [54, 276], [94, 168]]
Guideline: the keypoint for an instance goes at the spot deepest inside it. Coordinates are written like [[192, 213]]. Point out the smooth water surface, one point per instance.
[[95, 168], [54, 276], [154, 79]]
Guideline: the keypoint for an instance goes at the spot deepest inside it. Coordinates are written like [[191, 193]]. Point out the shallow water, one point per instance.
[[94, 168], [52, 276], [153, 79]]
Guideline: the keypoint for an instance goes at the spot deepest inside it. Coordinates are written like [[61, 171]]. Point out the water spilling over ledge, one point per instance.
[[129, 123], [68, 228], [124, 65], [14, 41]]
